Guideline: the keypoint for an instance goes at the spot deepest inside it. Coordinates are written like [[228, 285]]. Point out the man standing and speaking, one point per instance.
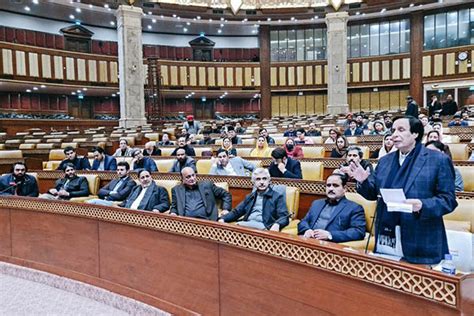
[[427, 180]]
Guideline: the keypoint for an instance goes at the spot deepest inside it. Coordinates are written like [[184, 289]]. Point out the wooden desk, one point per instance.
[[186, 266]]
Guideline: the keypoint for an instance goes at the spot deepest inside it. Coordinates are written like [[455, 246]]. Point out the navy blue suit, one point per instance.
[[293, 170], [357, 132], [121, 194], [423, 236], [110, 163], [347, 221], [145, 163]]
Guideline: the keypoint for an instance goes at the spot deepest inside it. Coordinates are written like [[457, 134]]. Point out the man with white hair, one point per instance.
[[264, 208]]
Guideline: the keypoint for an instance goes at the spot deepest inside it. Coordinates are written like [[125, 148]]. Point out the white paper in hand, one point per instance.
[[395, 200]]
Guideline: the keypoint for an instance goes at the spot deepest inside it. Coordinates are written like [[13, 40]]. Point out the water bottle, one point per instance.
[[448, 266]]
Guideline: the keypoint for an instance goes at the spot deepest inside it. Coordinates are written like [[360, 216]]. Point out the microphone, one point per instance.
[[10, 186], [372, 225]]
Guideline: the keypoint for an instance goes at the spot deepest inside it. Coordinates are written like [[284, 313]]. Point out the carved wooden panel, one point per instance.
[[113, 70], [202, 76], [248, 77], [103, 73], [395, 69], [375, 71], [355, 72], [81, 70], [192, 76], [291, 76], [438, 65], [300, 105], [220, 76], [319, 74], [282, 76], [310, 104], [257, 76], [365, 71], [275, 105], [386, 70], [211, 76], [164, 75], [20, 63], [406, 68], [230, 76], [284, 105], [426, 66], [239, 77], [58, 67], [173, 75], [273, 76], [183, 75], [33, 64], [70, 73], [309, 75], [7, 61], [300, 75], [450, 64]]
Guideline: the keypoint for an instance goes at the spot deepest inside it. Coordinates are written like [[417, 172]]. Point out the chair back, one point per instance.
[[312, 170], [11, 154], [369, 208], [168, 185], [313, 152], [203, 166], [164, 165], [459, 151], [467, 173]]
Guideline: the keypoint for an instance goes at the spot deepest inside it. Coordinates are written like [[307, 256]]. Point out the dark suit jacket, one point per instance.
[[293, 170], [156, 198], [412, 109], [77, 187], [357, 132], [432, 181], [110, 163], [28, 187], [146, 163], [209, 193], [156, 152], [433, 107], [347, 221], [122, 193], [80, 163], [190, 162], [274, 209], [188, 150]]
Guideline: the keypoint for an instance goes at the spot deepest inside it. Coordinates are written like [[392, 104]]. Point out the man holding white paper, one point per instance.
[[426, 178]]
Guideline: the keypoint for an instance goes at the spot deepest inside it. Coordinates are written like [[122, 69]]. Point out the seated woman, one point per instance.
[[261, 148], [227, 145], [433, 136], [292, 150], [379, 128], [340, 151], [333, 135], [387, 147], [439, 146]]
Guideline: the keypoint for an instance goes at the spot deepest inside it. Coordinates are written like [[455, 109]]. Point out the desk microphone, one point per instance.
[[10, 186]]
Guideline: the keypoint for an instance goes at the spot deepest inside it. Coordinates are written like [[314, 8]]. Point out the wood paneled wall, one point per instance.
[[31, 63], [292, 104], [382, 99], [380, 70], [189, 74], [33, 103], [444, 63]]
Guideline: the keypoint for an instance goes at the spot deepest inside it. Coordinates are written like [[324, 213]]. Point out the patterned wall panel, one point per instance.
[[239, 77], [318, 78], [220, 76], [291, 76], [375, 71], [396, 69], [183, 76], [70, 71], [230, 76], [164, 75], [248, 77], [273, 76], [192, 76], [406, 68], [113, 70], [426, 66], [257, 76], [450, 64], [282, 76], [103, 73], [365, 71], [173, 75], [309, 75], [300, 76], [7, 61], [58, 67], [356, 72], [386, 70], [211, 76], [438, 65], [81, 70], [202, 76]]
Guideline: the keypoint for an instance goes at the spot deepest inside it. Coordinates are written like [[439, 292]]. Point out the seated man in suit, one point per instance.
[[141, 162], [165, 140], [68, 187], [335, 218], [102, 161], [226, 166], [198, 199], [182, 143], [353, 130], [283, 166], [118, 189], [18, 182], [183, 161], [264, 208], [151, 149], [354, 154], [80, 163], [147, 196], [124, 150]]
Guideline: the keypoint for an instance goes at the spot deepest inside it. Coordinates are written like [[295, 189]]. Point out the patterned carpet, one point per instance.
[[30, 292]]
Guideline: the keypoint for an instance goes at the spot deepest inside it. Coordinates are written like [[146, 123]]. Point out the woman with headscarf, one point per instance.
[[340, 151], [261, 148], [292, 150], [227, 145]]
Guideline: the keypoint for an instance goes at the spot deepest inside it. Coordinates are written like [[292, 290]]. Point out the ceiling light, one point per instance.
[[35, 88], [179, 18], [192, 93], [28, 90], [73, 93], [162, 16], [150, 13], [254, 31], [72, 17], [106, 6], [188, 23], [222, 25], [114, 95], [279, 20], [357, 13], [112, 23], [412, 4], [84, 89], [383, 10], [78, 10], [292, 18], [35, 1], [185, 29], [222, 19], [43, 86], [198, 17], [153, 20], [219, 31], [27, 9], [210, 20], [149, 27], [174, 15], [269, 19], [91, 6]]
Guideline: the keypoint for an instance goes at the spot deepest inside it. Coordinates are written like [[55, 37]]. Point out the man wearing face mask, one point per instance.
[[335, 218], [264, 208], [18, 182]]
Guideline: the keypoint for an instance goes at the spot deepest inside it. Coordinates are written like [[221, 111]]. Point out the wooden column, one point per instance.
[[416, 57], [265, 88]]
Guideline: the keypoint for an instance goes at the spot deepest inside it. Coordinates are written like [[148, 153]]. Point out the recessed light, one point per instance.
[[84, 89], [43, 86], [114, 95], [357, 13], [269, 19], [188, 23], [412, 5], [78, 10], [162, 16], [192, 93], [28, 90], [150, 13], [149, 27], [79, 91], [72, 17], [35, 88], [27, 8], [185, 29], [292, 18], [279, 20], [174, 15], [222, 19], [106, 6], [222, 24], [153, 20], [198, 17], [383, 10], [91, 6], [73, 93], [219, 31], [35, 1], [178, 18], [112, 23]]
